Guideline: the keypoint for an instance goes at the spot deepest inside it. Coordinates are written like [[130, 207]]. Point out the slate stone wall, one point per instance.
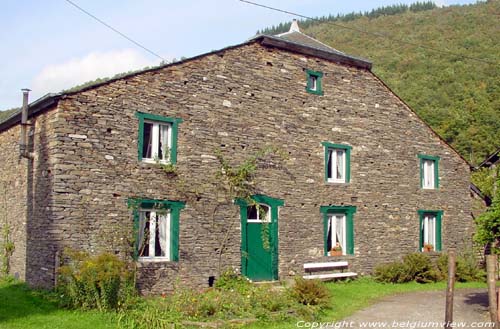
[[239, 101], [13, 199]]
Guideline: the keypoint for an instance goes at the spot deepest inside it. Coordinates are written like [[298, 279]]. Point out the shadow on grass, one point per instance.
[[18, 301]]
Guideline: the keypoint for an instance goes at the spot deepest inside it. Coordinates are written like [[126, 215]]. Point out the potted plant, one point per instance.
[[428, 247], [337, 250]]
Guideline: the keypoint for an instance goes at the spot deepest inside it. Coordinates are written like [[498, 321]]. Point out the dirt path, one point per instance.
[[423, 310]]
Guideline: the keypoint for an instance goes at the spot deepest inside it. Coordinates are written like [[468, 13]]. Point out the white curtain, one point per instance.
[[162, 233], [429, 173], [163, 142], [340, 164], [431, 230], [339, 230]]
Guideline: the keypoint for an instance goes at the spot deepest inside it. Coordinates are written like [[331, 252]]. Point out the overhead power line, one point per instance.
[[115, 30], [376, 34]]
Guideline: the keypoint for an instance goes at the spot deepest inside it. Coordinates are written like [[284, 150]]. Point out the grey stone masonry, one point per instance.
[[238, 101]]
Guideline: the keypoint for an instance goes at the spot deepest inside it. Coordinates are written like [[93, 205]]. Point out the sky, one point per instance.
[[50, 45]]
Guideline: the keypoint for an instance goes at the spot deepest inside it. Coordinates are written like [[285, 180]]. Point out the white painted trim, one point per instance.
[[153, 259], [330, 275], [308, 266]]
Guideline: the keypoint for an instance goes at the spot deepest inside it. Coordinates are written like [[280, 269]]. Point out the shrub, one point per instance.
[[230, 280], [310, 292], [391, 273], [467, 268], [415, 267], [419, 268], [103, 282]]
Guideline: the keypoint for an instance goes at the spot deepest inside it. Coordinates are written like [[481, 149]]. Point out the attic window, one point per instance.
[[314, 82]]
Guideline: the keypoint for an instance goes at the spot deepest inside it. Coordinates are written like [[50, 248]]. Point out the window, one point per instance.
[[157, 140], [314, 85], [430, 230], [154, 235], [429, 172], [337, 163], [156, 227], [336, 232], [338, 228], [258, 214]]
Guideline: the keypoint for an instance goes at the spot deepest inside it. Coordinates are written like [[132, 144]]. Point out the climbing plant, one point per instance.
[[238, 182]]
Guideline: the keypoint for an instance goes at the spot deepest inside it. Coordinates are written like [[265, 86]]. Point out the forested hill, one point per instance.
[[458, 97]]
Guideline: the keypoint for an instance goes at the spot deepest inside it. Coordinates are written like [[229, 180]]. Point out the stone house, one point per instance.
[[353, 167]]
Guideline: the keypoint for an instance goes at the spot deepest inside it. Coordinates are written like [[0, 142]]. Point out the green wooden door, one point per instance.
[[259, 264], [259, 238]]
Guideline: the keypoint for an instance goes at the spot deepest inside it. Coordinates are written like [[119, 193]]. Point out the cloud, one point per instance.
[[56, 77]]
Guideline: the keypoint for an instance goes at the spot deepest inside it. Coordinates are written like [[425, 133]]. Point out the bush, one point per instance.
[[103, 282], [230, 280], [467, 267], [419, 268], [415, 267], [310, 292], [391, 273]]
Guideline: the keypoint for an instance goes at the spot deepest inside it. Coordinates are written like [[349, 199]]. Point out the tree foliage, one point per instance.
[[458, 97], [6, 114], [488, 225]]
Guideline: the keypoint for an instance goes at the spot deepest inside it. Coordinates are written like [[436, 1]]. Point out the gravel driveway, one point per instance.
[[423, 310]]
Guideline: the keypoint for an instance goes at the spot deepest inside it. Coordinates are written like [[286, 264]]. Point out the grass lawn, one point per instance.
[[23, 308]]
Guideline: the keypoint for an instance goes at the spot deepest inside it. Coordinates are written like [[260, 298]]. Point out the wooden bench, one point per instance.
[[327, 266]]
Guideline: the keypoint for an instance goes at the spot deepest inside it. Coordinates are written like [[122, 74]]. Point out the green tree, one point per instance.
[[488, 225]]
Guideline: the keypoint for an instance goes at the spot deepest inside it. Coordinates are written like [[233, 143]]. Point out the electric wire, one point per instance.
[[379, 35], [115, 30]]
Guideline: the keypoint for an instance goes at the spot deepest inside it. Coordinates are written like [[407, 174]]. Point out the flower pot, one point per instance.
[[335, 252]]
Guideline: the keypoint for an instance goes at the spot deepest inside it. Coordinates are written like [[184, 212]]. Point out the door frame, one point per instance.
[[273, 204]]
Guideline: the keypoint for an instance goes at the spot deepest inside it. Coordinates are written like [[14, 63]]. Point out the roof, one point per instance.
[[477, 191], [490, 160], [294, 35], [294, 41]]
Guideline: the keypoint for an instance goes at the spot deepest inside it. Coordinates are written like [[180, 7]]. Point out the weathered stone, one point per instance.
[[81, 200]]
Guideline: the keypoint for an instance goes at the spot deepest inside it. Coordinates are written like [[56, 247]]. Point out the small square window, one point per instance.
[[429, 172], [157, 140], [337, 163], [314, 82]]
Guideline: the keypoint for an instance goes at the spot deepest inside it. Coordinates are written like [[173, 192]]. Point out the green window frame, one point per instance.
[[435, 160], [349, 212], [174, 124], [437, 215], [330, 147], [314, 82], [173, 208]]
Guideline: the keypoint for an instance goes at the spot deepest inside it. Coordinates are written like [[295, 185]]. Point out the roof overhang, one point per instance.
[[46, 102], [270, 41]]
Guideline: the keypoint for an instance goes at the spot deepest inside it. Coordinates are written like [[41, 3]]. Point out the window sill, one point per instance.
[[154, 260], [337, 183], [153, 161]]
